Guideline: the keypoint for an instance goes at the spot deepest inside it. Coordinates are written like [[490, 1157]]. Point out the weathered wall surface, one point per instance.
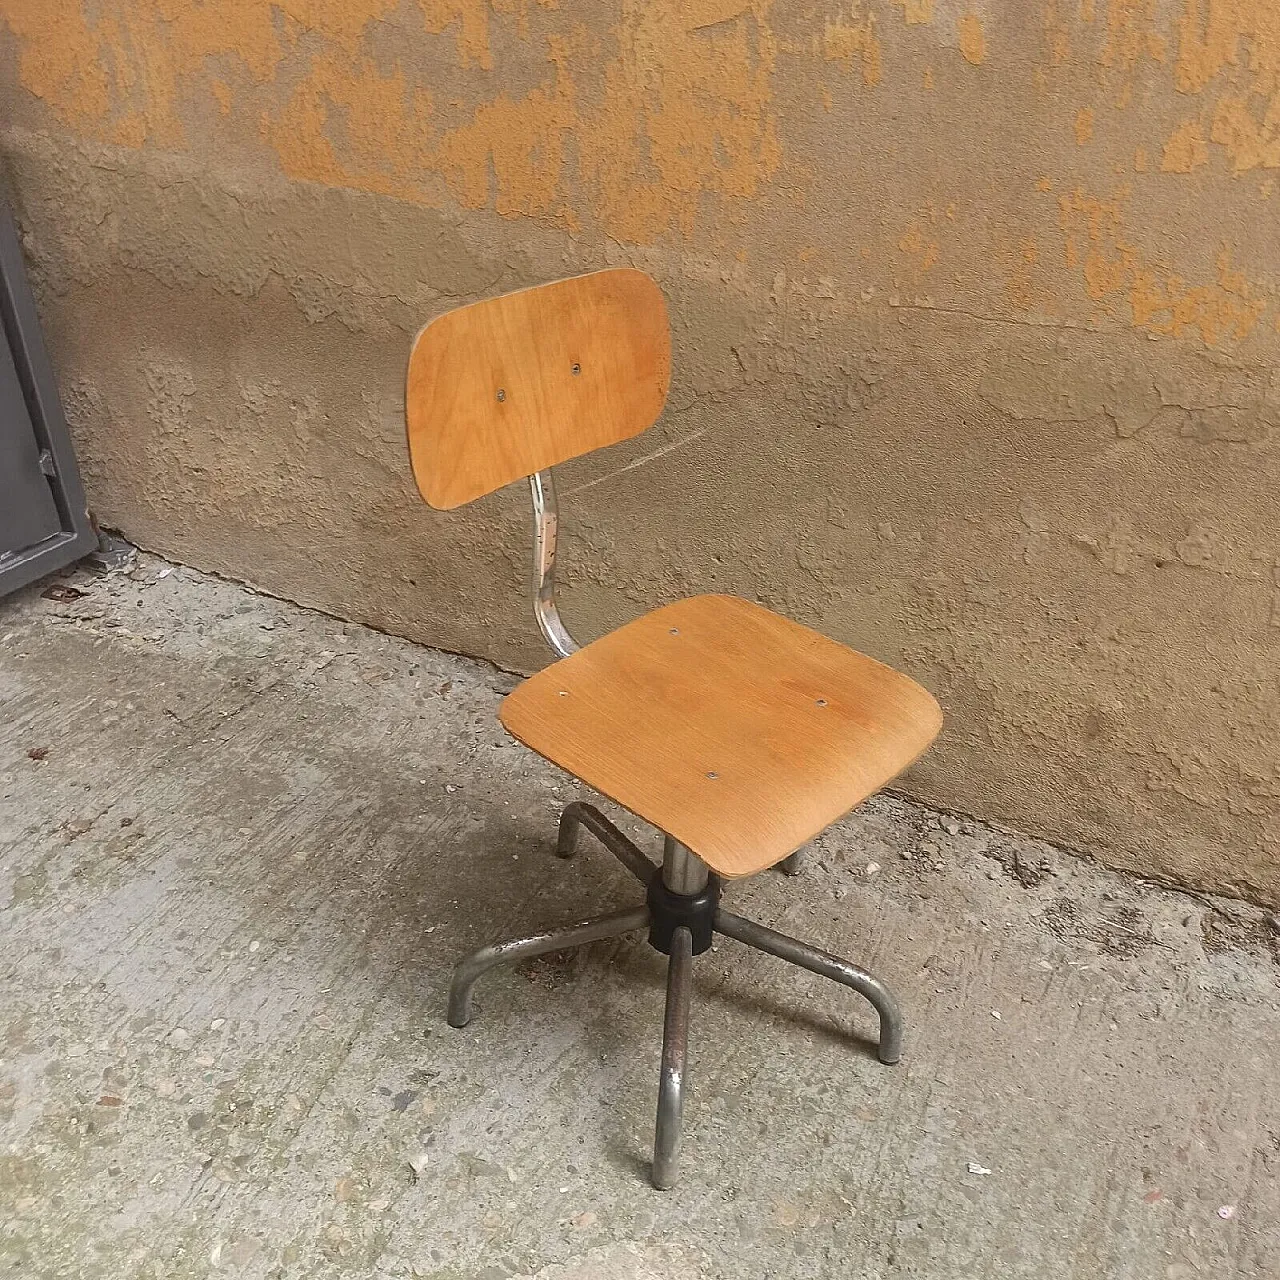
[[976, 322]]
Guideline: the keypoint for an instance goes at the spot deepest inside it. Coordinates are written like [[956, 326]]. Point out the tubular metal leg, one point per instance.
[[793, 865], [826, 965], [469, 969], [580, 814], [675, 1052]]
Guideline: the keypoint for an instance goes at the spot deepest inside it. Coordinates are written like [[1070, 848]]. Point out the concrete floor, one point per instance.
[[241, 845]]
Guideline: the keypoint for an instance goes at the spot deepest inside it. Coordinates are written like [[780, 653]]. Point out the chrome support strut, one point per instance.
[[546, 527]]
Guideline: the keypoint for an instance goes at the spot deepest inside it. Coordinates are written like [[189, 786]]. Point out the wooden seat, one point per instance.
[[736, 731]]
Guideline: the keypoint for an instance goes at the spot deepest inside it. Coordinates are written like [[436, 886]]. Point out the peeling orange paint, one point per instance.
[[222, 92], [1057, 33], [1228, 50], [664, 118], [1185, 150], [1217, 36], [1022, 291], [973, 44], [385, 127], [511, 154], [121, 74], [685, 113], [916, 12], [1117, 275], [1250, 142], [1222, 311], [917, 244], [1212, 35], [1130, 35], [855, 37]]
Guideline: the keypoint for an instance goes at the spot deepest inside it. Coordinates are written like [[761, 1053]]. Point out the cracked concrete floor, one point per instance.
[[240, 846]]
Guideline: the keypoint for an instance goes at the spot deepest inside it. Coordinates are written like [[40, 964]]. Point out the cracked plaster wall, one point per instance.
[[975, 319]]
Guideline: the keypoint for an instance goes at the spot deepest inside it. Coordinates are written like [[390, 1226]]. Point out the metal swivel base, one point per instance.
[[682, 911]]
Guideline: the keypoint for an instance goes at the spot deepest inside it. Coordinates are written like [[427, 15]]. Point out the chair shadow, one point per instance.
[[821, 1024], [498, 896]]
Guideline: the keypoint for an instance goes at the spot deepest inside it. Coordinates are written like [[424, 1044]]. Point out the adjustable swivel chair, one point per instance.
[[737, 733]]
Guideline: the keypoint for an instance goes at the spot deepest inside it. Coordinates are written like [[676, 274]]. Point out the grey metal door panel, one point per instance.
[[28, 513], [43, 521]]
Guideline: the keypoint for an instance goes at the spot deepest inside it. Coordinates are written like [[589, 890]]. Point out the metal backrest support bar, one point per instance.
[[546, 520]]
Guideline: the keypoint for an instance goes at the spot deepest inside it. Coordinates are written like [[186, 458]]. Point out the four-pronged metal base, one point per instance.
[[683, 880]]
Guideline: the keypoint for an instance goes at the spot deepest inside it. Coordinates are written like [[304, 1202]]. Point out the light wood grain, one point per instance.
[[503, 388], [737, 731]]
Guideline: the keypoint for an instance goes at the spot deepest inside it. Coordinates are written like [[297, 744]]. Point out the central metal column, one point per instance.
[[682, 870]]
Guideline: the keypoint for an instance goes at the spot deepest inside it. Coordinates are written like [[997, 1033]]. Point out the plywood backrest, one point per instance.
[[500, 389]]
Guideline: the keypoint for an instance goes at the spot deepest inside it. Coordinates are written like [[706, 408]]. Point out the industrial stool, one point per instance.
[[738, 733]]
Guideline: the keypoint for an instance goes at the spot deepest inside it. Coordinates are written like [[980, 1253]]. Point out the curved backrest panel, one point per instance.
[[500, 389]]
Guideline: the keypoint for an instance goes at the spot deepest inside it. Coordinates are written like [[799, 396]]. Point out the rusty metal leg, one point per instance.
[[828, 966], [470, 968], [580, 814]]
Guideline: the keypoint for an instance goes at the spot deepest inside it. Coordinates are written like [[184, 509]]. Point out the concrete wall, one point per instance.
[[975, 311]]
